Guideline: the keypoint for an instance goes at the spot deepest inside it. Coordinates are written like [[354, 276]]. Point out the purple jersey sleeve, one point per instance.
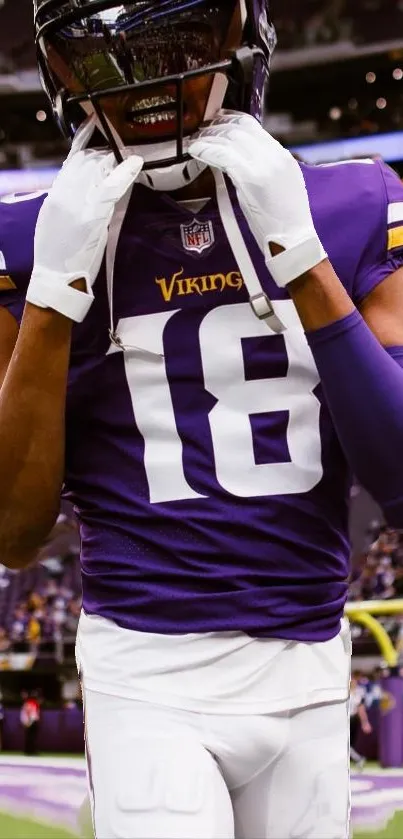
[[17, 230], [357, 208], [384, 216]]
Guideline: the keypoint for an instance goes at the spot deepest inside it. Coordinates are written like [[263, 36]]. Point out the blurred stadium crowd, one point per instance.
[[315, 22], [378, 573], [40, 607]]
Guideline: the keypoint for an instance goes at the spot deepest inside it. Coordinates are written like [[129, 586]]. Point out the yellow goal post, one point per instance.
[[364, 612]]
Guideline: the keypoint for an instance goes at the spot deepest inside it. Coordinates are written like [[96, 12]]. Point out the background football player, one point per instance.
[[212, 343]]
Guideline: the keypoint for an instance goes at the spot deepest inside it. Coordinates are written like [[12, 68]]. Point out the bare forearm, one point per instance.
[[319, 297], [32, 420]]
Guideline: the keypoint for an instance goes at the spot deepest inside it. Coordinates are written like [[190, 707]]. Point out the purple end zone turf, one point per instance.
[[54, 791]]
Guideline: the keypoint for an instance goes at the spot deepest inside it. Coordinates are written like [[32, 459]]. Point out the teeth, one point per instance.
[[151, 119], [152, 102]]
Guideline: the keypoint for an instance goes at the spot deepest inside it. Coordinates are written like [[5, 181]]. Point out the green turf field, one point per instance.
[[394, 830], [14, 828]]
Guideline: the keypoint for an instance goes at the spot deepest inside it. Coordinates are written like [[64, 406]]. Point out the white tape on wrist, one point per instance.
[[47, 293], [295, 261]]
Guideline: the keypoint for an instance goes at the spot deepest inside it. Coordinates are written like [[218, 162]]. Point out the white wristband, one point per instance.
[[292, 262], [46, 292]]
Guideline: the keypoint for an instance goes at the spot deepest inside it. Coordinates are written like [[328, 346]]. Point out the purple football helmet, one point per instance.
[[136, 60]]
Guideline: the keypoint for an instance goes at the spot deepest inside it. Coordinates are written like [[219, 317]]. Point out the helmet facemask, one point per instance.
[[152, 71]]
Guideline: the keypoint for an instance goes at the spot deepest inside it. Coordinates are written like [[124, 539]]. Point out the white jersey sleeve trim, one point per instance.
[[395, 212]]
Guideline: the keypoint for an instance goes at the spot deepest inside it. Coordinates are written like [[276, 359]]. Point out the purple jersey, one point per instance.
[[209, 483]]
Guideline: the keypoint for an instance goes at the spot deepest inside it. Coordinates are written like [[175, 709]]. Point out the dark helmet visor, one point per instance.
[[89, 49]]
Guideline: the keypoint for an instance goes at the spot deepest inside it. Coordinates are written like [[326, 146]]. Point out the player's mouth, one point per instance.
[[152, 115]]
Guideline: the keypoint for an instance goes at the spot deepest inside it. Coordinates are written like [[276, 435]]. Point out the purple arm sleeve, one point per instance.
[[363, 386]]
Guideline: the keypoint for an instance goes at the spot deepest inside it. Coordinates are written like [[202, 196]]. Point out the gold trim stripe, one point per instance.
[[395, 238]]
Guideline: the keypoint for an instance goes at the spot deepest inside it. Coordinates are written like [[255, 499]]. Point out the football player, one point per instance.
[[201, 340]]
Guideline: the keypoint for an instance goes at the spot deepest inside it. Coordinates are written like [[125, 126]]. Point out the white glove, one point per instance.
[[270, 188], [72, 228]]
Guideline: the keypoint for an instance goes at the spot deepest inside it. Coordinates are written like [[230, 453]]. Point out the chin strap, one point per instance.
[[262, 307], [171, 178], [167, 178]]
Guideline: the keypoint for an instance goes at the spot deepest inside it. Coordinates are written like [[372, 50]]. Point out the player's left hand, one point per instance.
[[271, 191]]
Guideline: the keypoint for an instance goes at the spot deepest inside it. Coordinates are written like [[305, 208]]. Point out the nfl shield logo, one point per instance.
[[197, 236]]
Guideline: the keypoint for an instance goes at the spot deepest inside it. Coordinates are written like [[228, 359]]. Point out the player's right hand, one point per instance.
[[72, 228]]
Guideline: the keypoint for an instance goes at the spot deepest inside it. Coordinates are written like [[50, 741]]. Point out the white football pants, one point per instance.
[[160, 773]]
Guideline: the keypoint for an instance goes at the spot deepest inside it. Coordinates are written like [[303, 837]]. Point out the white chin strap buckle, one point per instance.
[[261, 305], [262, 308]]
